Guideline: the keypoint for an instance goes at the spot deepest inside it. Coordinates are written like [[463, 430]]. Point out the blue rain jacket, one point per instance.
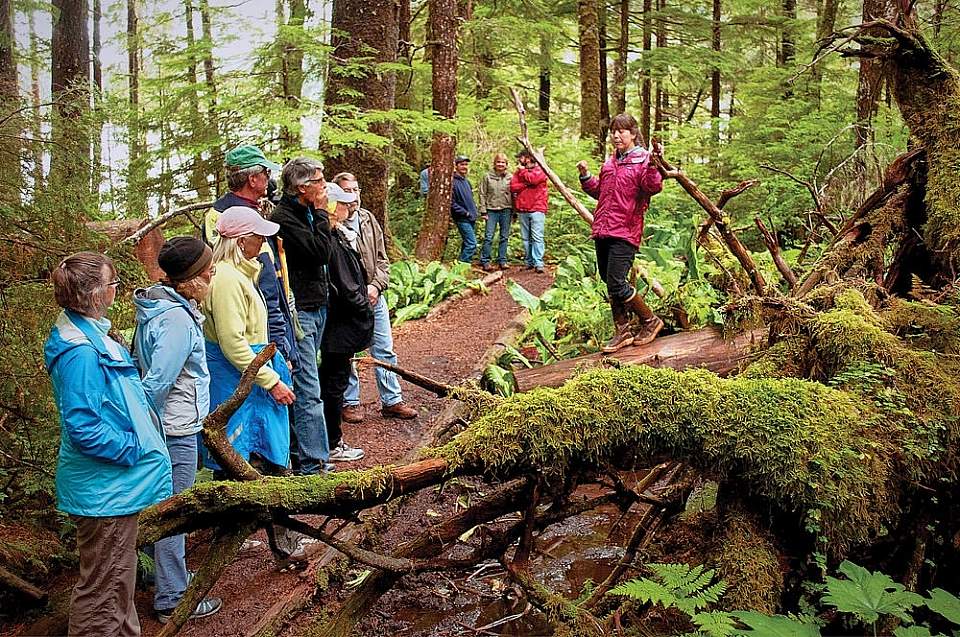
[[113, 458]]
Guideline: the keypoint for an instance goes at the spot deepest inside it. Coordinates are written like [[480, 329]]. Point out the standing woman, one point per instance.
[[170, 353], [496, 205], [349, 326], [113, 462], [627, 181], [236, 330]]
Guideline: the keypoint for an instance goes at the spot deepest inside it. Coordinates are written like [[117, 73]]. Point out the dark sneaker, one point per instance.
[[399, 410], [539, 269], [648, 330], [487, 267], [345, 453], [208, 606], [352, 414], [504, 266]]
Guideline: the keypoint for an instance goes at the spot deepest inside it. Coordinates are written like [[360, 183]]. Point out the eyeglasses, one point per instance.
[[115, 283], [356, 190], [313, 181]]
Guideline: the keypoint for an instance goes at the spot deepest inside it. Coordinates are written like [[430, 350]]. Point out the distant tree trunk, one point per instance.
[[69, 81], [96, 172], [826, 25], [198, 172], [436, 221], [660, 123], [213, 134], [587, 14], [869, 88], [10, 100], [787, 50], [291, 60], [485, 60], [646, 82], [938, 8], [36, 120], [371, 33], [405, 179], [604, 80], [546, 62], [136, 167], [620, 70], [715, 73]]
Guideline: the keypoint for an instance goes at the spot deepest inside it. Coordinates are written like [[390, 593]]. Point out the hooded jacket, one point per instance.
[[113, 458], [306, 239], [462, 205], [373, 250], [168, 348], [494, 190], [623, 190], [349, 327], [529, 188]]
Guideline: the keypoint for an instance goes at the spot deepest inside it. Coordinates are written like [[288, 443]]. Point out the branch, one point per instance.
[[162, 219], [724, 199], [438, 388], [774, 248], [12, 581], [538, 156]]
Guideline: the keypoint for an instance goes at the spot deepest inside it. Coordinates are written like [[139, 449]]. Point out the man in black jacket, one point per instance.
[[305, 230], [463, 209]]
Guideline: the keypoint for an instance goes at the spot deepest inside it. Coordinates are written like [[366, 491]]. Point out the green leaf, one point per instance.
[[414, 311], [776, 626], [523, 298], [869, 595], [716, 623], [944, 603], [913, 631]]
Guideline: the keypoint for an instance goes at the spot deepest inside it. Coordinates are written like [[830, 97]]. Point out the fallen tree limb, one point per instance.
[[771, 242], [722, 201], [162, 219], [445, 304], [438, 388], [22, 586]]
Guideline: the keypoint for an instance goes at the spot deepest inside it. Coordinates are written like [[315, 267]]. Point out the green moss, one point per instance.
[[925, 325], [746, 558]]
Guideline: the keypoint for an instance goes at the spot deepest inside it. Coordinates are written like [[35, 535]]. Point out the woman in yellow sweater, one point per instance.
[[235, 330]]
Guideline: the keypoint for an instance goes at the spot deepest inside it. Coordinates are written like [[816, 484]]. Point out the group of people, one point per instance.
[[307, 274], [502, 196]]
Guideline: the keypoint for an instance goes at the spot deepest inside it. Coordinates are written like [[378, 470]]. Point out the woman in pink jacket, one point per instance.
[[623, 189]]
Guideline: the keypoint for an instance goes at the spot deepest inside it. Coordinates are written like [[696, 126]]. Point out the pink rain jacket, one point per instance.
[[623, 192]]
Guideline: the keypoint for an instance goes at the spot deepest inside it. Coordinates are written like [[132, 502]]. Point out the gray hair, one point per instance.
[[227, 249], [237, 177], [297, 172], [344, 176]]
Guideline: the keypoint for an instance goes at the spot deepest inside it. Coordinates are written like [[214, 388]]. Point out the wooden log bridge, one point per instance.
[[704, 348]]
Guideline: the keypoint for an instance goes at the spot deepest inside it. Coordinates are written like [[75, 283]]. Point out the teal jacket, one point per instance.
[[113, 457]]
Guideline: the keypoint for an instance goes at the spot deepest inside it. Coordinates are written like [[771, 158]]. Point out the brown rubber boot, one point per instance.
[[623, 335], [649, 323]]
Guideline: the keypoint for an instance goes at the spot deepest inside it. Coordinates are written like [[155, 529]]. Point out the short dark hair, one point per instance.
[[78, 283], [625, 121]]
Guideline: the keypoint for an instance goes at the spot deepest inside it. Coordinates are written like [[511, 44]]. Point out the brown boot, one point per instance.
[[649, 323], [623, 335], [400, 410], [352, 414]]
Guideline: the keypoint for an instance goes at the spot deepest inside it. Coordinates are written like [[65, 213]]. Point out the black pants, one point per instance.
[[614, 260], [334, 376]]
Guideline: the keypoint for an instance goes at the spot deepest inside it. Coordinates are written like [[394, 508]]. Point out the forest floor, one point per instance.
[[447, 348]]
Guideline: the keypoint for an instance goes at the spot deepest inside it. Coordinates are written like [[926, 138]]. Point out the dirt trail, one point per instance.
[[446, 348]]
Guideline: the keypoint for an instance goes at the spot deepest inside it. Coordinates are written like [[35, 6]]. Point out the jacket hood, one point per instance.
[[157, 299], [74, 330]]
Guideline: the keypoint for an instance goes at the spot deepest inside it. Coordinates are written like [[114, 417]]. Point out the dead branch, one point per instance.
[[162, 219], [552, 603], [524, 140], [440, 389], [22, 586], [814, 194], [774, 248], [723, 200]]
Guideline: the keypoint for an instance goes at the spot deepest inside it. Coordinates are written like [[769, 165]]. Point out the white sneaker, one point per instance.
[[306, 547], [345, 453], [250, 545]]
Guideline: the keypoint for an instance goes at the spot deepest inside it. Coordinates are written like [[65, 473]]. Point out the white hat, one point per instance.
[[237, 221], [338, 194]]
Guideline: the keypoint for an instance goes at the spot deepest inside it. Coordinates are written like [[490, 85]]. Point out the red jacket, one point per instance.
[[623, 191], [529, 188]]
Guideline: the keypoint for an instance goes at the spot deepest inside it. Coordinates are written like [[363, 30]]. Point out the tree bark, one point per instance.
[[869, 87], [198, 171], [715, 73], [36, 120], [10, 100], [291, 57], [604, 80], [587, 15], [70, 79], [546, 62], [210, 81], [136, 166], [620, 69], [96, 142], [370, 34], [436, 221], [646, 82], [406, 178], [662, 97], [787, 51]]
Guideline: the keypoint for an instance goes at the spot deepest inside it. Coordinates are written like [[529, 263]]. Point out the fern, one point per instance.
[[675, 586]]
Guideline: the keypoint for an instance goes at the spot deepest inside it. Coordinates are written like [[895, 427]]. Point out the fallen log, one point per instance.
[[703, 348], [22, 586]]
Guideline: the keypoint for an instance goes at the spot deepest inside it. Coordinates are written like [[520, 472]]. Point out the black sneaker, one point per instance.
[[208, 606]]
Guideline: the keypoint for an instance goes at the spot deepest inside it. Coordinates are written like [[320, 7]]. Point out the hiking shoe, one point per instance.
[[250, 545], [345, 453], [539, 269], [648, 330], [207, 606], [352, 414], [487, 267], [399, 410], [504, 266]]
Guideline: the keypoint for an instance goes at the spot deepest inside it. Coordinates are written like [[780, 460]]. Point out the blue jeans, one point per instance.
[[382, 348], [169, 553], [469, 246], [308, 422], [495, 218], [531, 231]]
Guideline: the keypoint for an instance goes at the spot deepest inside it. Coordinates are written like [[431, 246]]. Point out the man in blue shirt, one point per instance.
[[463, 209]]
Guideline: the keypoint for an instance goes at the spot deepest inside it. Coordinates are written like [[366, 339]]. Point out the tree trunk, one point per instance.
[[10, 100], [70, 80], [371, 33], [436, 221], [291, 60], [715, 73], [36, 120], [136, 166], [826, 24], [604, 80], [198, 171], [662, 97], [787, 50], [587, 14], [213, 130], [620, 70], [870, 78], [546, 62], [97, 134], [406, 181], [646, 82]]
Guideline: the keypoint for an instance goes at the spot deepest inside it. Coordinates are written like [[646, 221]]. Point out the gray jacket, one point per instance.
[[373, 251], [169, 351], [495, 192]]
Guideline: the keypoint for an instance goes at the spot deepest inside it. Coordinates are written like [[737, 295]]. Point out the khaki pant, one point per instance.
[[102, 601]]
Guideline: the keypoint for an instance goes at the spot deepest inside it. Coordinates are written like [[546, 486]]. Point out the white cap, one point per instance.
[[338, 194], [237, 221]]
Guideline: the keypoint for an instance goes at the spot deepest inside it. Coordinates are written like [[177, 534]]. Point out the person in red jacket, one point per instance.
[[627, 181], [529, 188]]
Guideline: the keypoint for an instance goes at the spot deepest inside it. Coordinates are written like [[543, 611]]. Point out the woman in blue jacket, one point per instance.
[[168, 348], [113, 462]]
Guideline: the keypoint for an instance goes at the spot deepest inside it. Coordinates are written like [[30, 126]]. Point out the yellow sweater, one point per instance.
[[237, 316]]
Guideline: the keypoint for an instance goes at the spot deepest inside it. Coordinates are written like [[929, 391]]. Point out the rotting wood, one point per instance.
[[702, 348], [431, 385], [22, 586]]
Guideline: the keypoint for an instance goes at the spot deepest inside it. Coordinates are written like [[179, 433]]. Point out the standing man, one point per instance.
[[248, 178], [529, 188], [376, 267], [463, 209], [496, 203], [425, 181]]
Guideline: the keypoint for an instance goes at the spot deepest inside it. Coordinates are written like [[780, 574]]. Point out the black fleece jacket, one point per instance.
[[306, 240]]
